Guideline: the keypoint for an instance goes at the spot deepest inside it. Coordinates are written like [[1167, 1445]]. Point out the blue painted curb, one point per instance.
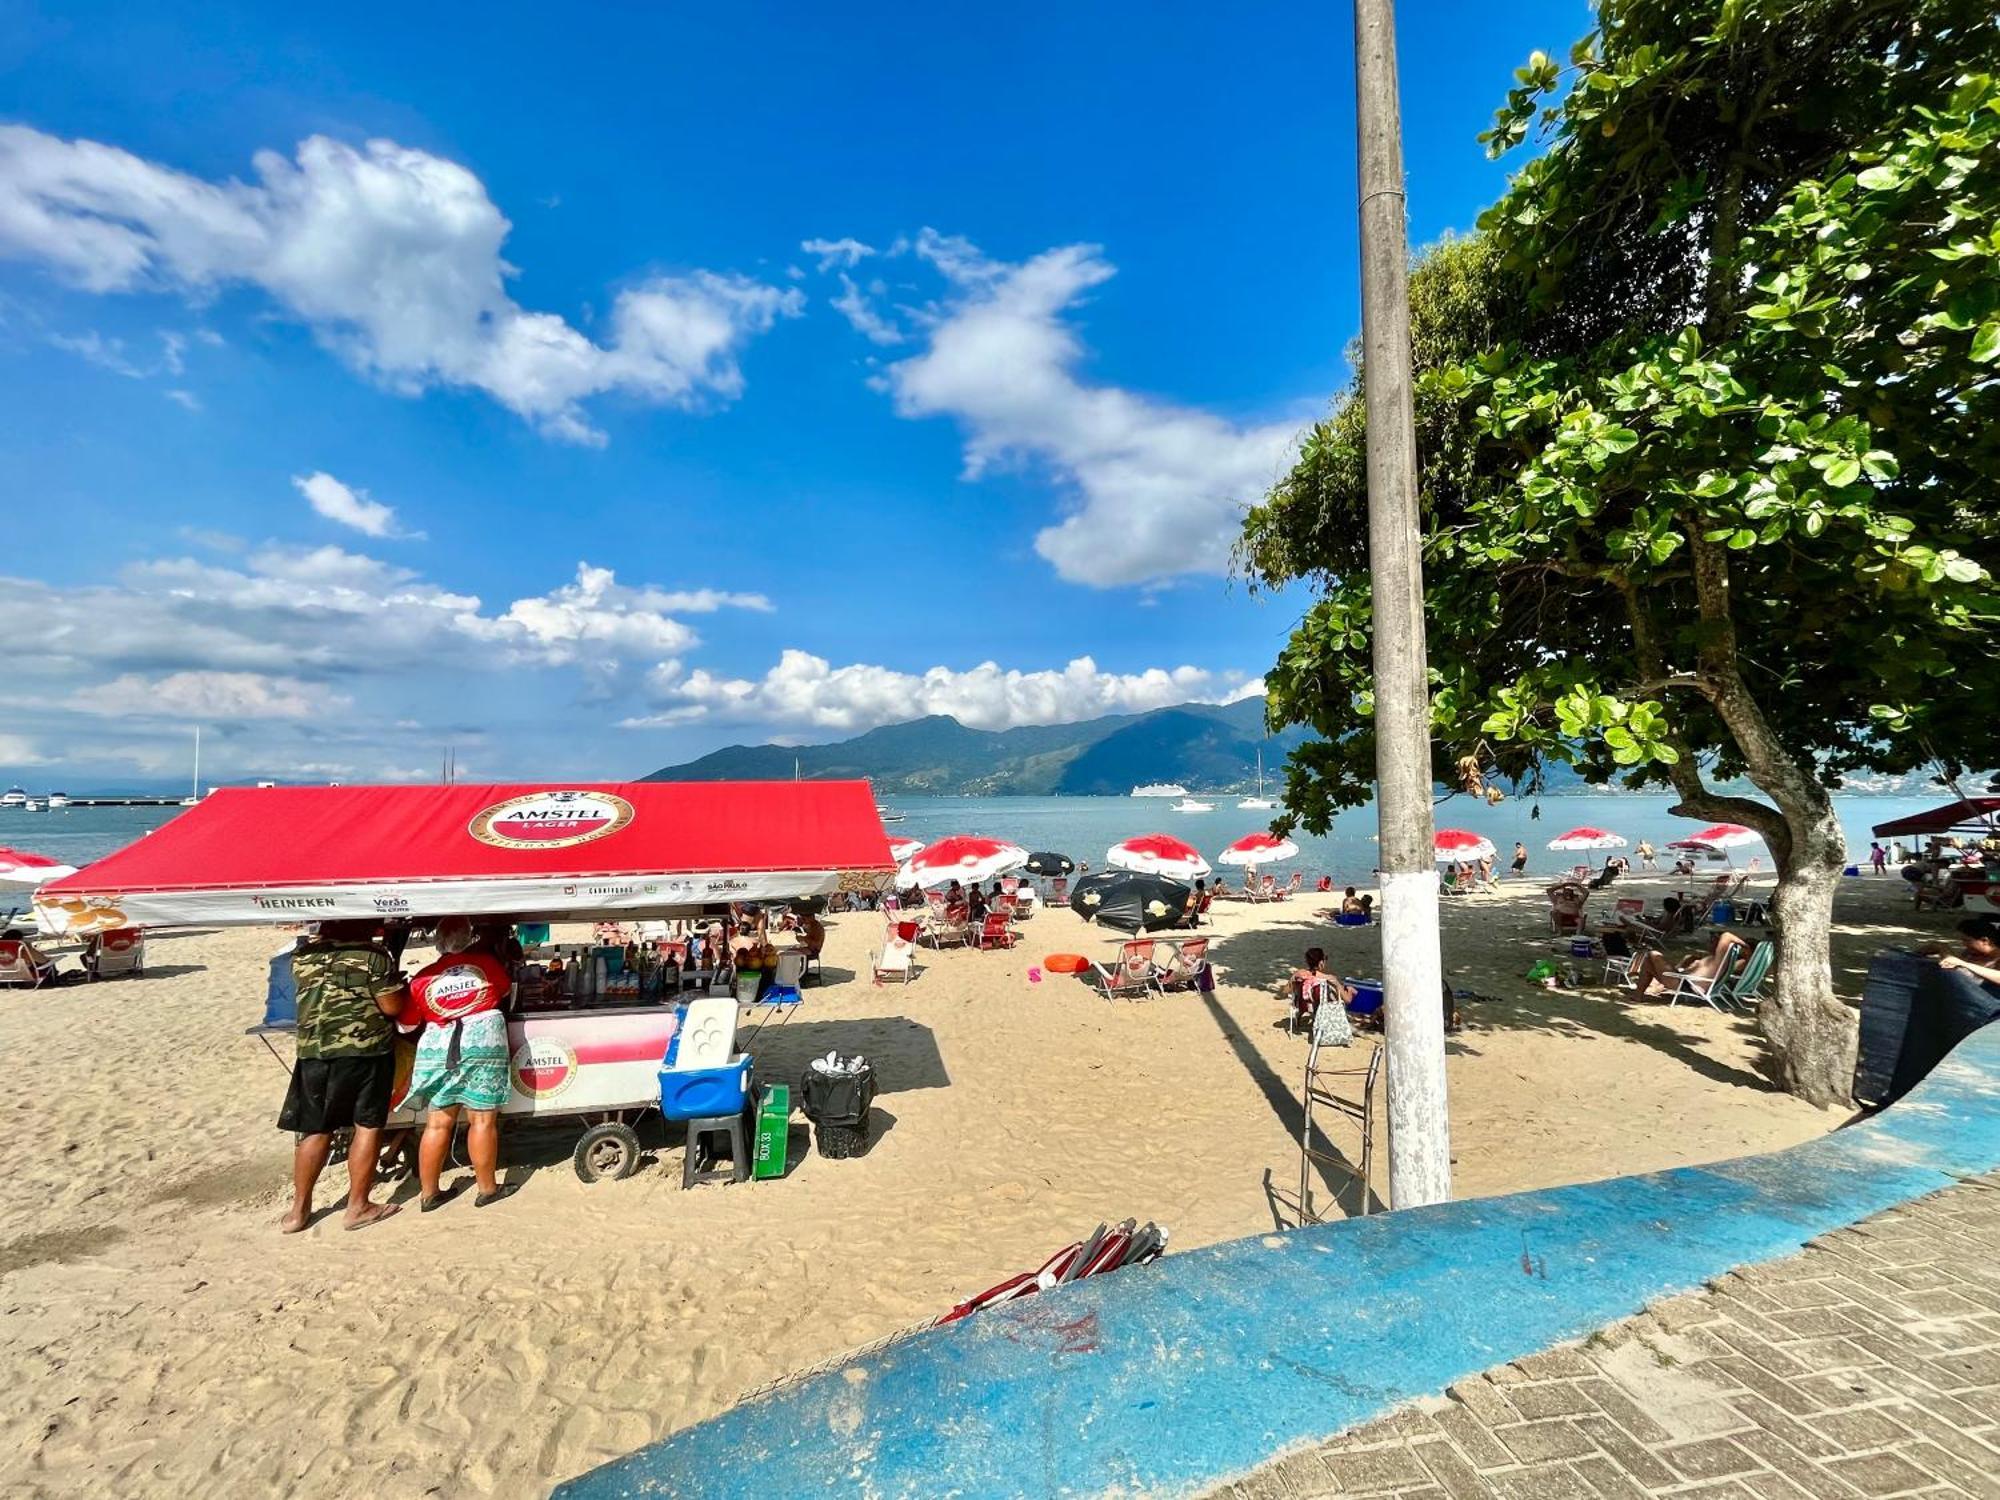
[[1172, 1379]]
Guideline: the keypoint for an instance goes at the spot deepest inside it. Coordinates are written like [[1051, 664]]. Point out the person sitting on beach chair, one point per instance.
[[1676, 919], [1310, 986], [21, 962], [1654, 976], [1567, 901]]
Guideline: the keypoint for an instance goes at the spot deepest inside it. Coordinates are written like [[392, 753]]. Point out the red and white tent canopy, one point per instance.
[[1259, 849], [964, 857], [1459, 843], [1158, 854], [1724, 836], [298, 854], [22, 871], [1578, 840]]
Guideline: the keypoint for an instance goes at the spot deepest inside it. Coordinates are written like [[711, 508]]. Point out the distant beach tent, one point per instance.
[[538, 851], [1157, 854], [1577, 840], [1259, 849], [964, 857], [902, 851], [22, 871], [1460, 843]]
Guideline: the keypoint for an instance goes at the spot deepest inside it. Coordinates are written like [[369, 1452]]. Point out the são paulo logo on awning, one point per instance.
[[551, 820]]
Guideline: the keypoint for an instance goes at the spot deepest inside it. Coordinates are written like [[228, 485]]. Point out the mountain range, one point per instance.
[[1203, 746]]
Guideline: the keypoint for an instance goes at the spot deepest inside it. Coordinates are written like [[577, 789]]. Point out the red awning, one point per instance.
[[276, 854], [1973, 815]]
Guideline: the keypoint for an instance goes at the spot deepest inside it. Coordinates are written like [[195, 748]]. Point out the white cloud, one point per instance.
[[390, 255], [807, 691], [1155, 489], [96, 349], [18, 750], [207, 696], [846, 251], [187, 399], [349, 507], [853, 305]]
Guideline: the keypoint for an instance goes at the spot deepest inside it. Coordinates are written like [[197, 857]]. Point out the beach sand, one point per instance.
[[161, 1337]]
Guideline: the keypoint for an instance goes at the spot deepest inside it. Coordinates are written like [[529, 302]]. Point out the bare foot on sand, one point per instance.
[[294, 1221], [373, 1213]]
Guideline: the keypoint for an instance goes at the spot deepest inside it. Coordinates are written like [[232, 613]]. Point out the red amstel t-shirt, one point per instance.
[[457, 985]]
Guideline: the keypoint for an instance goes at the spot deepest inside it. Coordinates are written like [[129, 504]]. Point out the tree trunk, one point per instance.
[[1811, 1032]]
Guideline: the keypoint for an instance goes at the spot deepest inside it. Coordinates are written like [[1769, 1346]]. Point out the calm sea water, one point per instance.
[[1084, 827]]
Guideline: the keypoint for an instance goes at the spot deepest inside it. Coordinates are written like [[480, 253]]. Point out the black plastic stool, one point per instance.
[[736, 1128]]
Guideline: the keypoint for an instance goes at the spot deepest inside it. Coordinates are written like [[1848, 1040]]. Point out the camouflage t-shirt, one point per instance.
[[337, 984]]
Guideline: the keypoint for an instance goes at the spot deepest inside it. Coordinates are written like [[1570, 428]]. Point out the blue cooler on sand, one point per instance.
[[705, 1093], [1367, 997]]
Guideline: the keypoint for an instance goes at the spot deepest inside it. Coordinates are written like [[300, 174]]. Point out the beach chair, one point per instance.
[[1717, 989], [1059, 891], [896, 959], [946, 931], [115, 954], [1448, 882], [1581, 872], [1311, 994], [995, 932], [1296, 884], [1182, 967], [19, 970], [1746, 991], [1130, 974], [1571, 916]]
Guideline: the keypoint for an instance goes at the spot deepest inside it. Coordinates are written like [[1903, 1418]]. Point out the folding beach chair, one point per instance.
[[896, 959], [1130, 974], [1719, 989], [994, 932], [17, 969], [1182, 967], [1311, 994], [115, 954], [1059, 891], [1296, 884]]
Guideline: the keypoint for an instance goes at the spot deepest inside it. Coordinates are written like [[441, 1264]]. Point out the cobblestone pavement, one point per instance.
[[1868, 1364]]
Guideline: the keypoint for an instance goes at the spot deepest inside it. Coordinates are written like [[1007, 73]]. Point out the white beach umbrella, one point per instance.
[[1158, 854], [964, 857], [1459, 843], [1259, 849], [22, 871], [1577, 840]]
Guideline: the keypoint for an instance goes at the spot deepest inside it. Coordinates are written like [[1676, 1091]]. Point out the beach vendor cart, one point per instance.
[[591, 1038]]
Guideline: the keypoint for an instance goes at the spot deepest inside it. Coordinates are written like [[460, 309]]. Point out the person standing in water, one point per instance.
[[1520, 858]]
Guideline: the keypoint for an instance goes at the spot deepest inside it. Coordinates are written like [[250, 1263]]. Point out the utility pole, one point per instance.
[[1412, 970]]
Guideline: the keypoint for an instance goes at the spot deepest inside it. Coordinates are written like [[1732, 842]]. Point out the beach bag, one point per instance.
[[1331, 1028]]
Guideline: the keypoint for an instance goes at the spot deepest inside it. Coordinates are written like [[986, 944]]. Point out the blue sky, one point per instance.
[[590, 389]]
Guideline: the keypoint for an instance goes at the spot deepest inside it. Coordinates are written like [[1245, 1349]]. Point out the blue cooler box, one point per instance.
[[705, 1093], [1367, 997]]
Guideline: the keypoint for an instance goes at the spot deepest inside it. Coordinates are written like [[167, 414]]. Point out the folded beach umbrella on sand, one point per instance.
[[1259, 849], [1130, 902], [902, 851], [1046, 863], [22, 871], [1458, 843], [962, 857], [1157, 854], [1577, 840]]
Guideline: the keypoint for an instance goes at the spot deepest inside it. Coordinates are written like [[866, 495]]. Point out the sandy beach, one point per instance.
[[162, 1338]]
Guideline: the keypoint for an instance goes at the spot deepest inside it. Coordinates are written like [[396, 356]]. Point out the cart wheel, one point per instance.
[[608, 1151]]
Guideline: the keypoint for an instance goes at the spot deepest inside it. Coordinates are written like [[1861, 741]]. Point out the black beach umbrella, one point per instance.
[[1046, 863], [1129, 902]]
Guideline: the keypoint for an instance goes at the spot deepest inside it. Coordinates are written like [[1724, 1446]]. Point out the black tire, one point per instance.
[[840, 1142], [607, 1152]]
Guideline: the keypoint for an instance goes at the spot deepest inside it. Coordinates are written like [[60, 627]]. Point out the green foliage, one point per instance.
[[1709, 414]]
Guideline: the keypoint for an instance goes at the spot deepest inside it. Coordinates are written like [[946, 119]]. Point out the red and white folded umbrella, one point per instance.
[[22, 871], [902, 851], [1458, 843], [1725, 836], [963, 857], [1259, 849], [1157, 854], [1579, 839]]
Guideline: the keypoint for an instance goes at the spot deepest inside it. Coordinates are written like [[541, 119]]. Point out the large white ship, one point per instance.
[[1160, 789]]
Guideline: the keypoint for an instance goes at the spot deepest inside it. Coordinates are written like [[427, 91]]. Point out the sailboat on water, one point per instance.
[[1258, 803], [195, 797]]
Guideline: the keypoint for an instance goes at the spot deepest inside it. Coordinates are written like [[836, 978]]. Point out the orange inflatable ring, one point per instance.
[[1065, 963]]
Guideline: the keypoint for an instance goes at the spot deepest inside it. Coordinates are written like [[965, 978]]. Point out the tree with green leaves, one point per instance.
[[1709, 413]]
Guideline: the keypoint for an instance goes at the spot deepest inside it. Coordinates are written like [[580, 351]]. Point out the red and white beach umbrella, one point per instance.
[[1579, 839], [902, 851], [963, 857], [22, 871], [1259, 849], [1157, 854], [1460, 843], [1724, 836]]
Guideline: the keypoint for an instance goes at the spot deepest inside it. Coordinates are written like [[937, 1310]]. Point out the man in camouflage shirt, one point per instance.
[[349, 988]]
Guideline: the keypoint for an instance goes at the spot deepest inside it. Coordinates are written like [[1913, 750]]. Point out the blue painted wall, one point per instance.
[[1170, 1379]]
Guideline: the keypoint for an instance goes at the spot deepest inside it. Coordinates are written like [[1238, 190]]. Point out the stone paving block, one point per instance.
[[1780, 1393], [1474, 1442], [1555, 1399], [1806, 1438], [1983, 1484], [1882, 1474], [1622, 1409], [1861, 1430], [1634, 1459], [1712, 1458], [1451, 1471], [1538, 1442], [1556, 1364], [1546, 1483], [1606, 1479], [1483, 1399], [1375, 1470]]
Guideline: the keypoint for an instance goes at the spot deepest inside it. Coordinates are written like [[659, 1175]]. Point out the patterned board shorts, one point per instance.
[[477, 1081]]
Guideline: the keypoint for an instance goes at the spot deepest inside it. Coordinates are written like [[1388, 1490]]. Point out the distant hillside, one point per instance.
[[1203, 746]]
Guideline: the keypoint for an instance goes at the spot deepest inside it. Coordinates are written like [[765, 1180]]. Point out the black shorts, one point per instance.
[[338, 1093]]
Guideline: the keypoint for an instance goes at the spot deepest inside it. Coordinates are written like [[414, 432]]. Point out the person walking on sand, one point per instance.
[[1645, 853], [1520, 858], [1879, 858], [461, 1061], [348, 989]]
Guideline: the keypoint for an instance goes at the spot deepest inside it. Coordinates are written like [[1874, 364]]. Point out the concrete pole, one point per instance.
[[1412, 970]]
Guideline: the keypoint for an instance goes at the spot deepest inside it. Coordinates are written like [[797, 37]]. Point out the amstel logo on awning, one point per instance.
[[551, 820]]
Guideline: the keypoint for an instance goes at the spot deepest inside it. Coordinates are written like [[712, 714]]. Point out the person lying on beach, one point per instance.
[[348, 991], [1653, 975]]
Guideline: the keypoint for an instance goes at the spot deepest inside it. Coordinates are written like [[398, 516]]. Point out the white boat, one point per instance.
[[1188, 804], [1160, 789], [31, 805], [1258, 803], [887, 814], [58, 799], [14, 797]]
